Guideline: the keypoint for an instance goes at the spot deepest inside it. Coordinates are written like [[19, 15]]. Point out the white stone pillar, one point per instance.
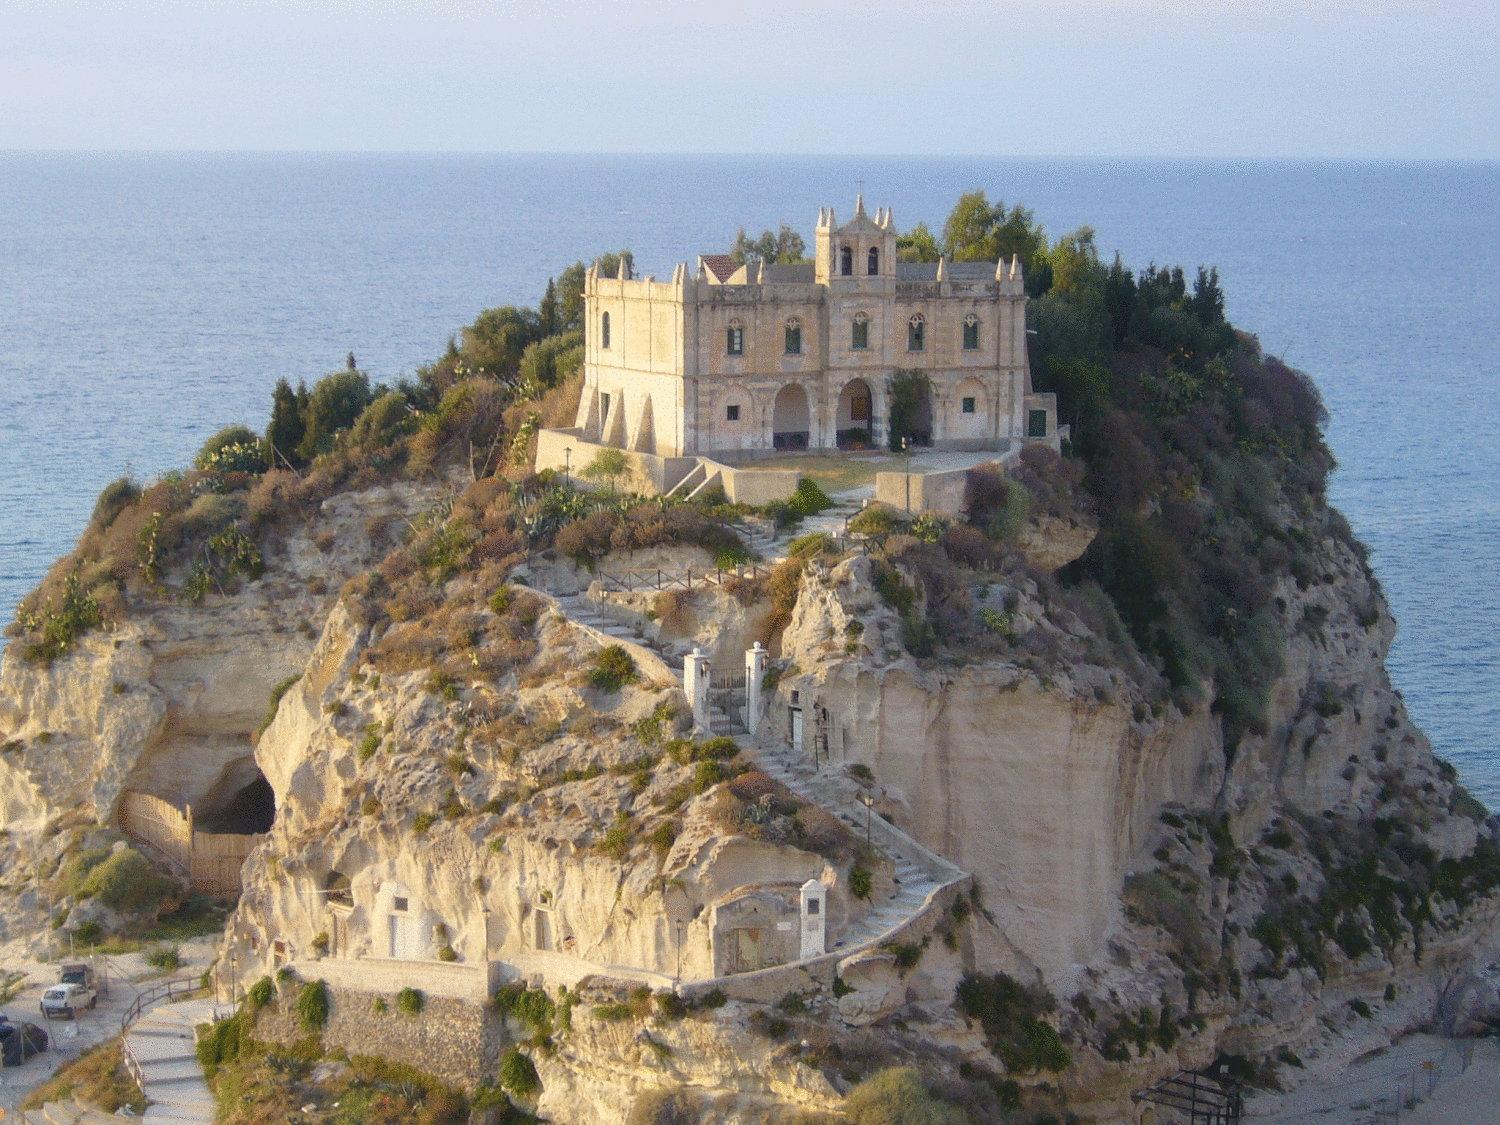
[[755, 676], [695, 679], [814, 919]]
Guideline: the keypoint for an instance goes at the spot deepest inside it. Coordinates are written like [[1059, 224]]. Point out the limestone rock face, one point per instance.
[[168, 701], [1050, 543], [877, 989], [1043, 791]]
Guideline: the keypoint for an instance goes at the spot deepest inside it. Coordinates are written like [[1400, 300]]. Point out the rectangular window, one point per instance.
[[861, 337], [793, 339], [968, 406], [1036, 423], [735, 344], [916, 337], [971, 336], [398, 903], [603, 408], [812, 906], [732, 412]]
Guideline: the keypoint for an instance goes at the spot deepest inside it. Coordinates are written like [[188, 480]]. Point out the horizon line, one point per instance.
[[1272, 158]]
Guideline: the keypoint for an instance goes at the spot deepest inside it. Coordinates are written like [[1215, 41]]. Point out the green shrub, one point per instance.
[[706, 775], [422, 822], [663, 836], [312, 1005], [410, 1001], [1009, 1013], [370, 742], [896, 1096], [861, 881], [808, 499], [875, 520], [613, 668], [75, 871], [87, 933], [116, 497], [127, 882], [518, 1074], [167, 958], [615, 842], [58, 625], [531, 1006], [234, 449], [261, 993], [222, 1043], [894, 590]]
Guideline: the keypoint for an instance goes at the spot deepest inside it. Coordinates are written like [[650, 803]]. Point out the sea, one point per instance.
[[147, 299]]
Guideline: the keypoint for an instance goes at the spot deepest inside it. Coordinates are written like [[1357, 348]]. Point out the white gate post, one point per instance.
[[755, 675], [814, 919], [695, 677]]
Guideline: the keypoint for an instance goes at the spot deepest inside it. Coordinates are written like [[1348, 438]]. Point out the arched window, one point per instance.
[[846, 261], [734, 341], [971, 333], [604, 331], [916, 333], [794, 336], [873, 266], [861, 336]]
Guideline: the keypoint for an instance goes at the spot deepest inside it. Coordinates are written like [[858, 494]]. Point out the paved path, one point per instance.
[[162, 1042]]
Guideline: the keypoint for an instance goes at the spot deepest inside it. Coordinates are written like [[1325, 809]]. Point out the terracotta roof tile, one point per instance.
[[720, 265]]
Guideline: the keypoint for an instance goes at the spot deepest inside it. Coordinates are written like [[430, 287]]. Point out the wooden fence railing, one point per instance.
[[657, 578], [210, 861]]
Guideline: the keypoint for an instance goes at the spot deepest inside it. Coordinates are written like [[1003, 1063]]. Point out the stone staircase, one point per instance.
[[71, 1112], [918, 872], [162, 1044]]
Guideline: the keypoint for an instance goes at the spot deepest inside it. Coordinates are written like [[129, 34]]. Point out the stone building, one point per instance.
[[747, 360]]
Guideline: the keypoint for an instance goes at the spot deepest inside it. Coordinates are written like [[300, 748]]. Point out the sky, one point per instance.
[[1208, 78]]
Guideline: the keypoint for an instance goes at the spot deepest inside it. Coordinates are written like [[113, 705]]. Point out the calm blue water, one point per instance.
[[147, 299]]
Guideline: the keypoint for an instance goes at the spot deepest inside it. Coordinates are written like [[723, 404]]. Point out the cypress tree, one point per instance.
[[288, 423], [548, 311]]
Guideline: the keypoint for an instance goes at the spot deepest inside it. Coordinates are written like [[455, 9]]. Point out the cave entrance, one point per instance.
[[242, 803]]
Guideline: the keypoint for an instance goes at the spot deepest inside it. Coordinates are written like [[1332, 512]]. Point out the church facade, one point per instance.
[[747, 360]]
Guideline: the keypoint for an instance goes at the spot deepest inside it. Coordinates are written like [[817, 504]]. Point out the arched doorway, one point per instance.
[[790, 428], [854, 425]]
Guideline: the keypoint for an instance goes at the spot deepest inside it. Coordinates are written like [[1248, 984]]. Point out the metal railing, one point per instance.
[[163, 990]]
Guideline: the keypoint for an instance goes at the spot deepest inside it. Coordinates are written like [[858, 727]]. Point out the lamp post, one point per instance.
[[869, 803], [568, 465], [906, 461]]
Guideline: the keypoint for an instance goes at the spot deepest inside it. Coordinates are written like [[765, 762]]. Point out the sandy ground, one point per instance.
[[1422, 1078], [127, 976]]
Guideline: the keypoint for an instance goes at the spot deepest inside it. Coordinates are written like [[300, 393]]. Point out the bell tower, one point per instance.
[[863, 249]]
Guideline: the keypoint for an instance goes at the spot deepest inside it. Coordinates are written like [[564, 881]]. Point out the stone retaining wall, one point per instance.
[[766, 986], [456, 1040]]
